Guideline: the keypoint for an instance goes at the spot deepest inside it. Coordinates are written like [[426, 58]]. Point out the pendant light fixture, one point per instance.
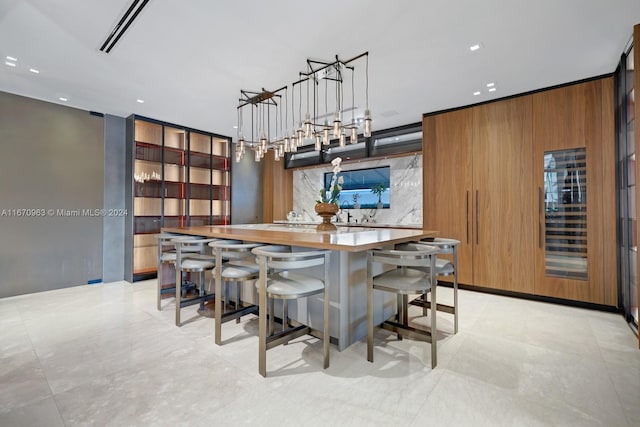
[[271, 128]]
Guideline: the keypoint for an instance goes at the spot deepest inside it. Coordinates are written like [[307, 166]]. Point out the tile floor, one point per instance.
[[103, 355]]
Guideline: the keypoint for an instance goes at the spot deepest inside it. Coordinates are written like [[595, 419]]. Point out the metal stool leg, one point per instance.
[[271, 311], [455, 290], [400, 313], [160, 279], [218, 303]]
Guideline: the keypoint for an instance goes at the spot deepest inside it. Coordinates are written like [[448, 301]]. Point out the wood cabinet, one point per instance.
[[574, 151], [478, 165], [503, 200], [484, 172], [447, 177]]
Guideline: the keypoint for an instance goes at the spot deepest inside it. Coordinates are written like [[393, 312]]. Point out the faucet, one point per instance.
[[348, 213]]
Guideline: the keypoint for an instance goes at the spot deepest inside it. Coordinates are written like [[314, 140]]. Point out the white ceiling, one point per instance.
[[189, 59]]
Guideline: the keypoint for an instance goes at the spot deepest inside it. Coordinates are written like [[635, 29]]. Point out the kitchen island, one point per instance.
[[348, 272]]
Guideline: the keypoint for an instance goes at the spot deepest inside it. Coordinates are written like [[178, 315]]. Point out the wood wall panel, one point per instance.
[[503, 195], [278, 189], [447, 175]]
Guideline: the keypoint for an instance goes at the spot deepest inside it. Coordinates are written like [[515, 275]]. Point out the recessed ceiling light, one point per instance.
[[10, 64], [493, 89], [62, 98], [235, 127], [34, 71], [491, 84], [476, 93], [140, 101], [474, 47], [11, 58]]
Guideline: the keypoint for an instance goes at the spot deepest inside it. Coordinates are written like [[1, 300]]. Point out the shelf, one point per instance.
[[209, 192], [191, 173]]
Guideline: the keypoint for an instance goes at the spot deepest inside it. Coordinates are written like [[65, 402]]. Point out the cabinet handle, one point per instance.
[[466, 209], [477, 220], [540, 210]]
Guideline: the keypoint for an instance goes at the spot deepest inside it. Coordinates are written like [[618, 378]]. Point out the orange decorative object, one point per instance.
[[326, 211]]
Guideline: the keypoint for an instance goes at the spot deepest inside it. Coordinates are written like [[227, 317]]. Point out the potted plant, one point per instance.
[[378, 189], [356, 205], [327, 204]]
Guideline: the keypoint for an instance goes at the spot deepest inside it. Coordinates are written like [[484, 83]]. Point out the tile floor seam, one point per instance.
[[610, 378], [33, 349]]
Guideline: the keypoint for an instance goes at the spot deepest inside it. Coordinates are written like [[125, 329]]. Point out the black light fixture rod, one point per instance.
[[337, 61], [259, 97], [126, 19]]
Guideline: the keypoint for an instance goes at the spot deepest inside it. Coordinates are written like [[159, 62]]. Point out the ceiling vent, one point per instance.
[[123, 25]]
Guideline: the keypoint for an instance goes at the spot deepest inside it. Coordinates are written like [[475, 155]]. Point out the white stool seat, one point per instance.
[[444, 267], [168, 257], [197, 264], [403, 281], [288, 285], [235, 272]]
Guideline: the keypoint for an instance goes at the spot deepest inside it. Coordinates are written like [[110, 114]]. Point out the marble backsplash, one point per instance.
[[405, 195]]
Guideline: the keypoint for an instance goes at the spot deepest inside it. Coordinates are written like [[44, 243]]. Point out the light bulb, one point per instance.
[[257, 153], [318, 142], [294, 143], [325, 133], [354, 135], [367, 124], [336, 125], [307, 126], [343, 139], [286, 144]]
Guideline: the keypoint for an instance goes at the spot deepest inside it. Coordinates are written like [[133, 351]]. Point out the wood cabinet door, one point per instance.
[[447, 152], [572, 173], [503, 196]]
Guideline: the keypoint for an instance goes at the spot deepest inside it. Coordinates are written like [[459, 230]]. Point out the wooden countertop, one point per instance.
[[353, 224], [351, 239]]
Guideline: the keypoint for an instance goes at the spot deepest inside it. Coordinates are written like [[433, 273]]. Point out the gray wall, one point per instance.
[[246, 191], [57, 158], [51, 158], [114, 199]]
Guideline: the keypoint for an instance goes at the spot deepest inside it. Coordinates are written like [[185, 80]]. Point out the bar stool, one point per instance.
[[444, 267], [403, 280], [167, 256], [240, 267], [286, 285], [197, 260]]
